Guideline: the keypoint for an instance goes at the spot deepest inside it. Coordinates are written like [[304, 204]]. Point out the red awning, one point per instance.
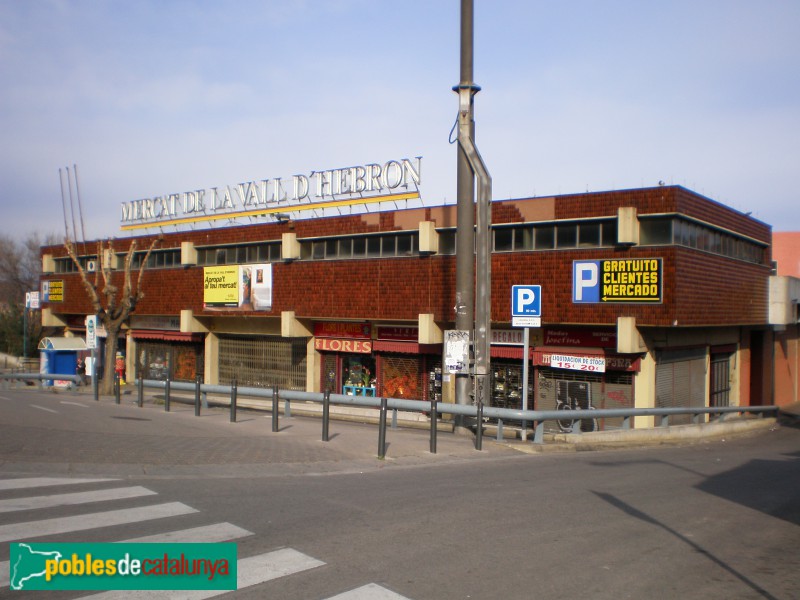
[[174, 336]]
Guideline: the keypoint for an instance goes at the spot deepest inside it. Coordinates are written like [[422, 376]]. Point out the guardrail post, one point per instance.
[[538, 432], [479, 428], [234, 392], [626, 423], [664, 421], [140, 392], [382, 431], [394, 418], [433, 425], [166, 395], [275, 427], [197, 381], [287, 409], [500, 430], [116, 388], [326, 413]]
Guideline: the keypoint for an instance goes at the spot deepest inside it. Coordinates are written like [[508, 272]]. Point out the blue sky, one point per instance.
[[155, 97]]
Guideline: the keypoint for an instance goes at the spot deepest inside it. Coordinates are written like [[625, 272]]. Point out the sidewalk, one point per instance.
[[125, 440]]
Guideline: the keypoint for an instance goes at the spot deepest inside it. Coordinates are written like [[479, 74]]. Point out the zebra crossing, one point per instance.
[[252, 570]]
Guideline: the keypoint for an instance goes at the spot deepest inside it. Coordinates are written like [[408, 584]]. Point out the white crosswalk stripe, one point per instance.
[[36, 502], [34, 529], [370, 591], [251, 571], [32, 482]]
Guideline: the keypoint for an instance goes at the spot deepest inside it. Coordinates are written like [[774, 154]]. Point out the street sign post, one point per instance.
[[526, 311]]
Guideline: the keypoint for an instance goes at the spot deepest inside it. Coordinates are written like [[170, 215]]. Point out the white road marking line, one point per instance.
[[32, 482], [250, 571], [35, 502], [211, 534], [43, 408], [74, 404], [33, 529], [371, 591]]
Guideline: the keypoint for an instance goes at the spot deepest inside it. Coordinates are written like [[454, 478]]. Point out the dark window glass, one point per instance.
[[503, 239], [359, 247], [589, 235], [545, 237], [567, 236], [654, 232], [447, 242]]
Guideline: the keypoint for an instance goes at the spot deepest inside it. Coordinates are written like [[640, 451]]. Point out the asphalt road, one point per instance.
[[715, 519]]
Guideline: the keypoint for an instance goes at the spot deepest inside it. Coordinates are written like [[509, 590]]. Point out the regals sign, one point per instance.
[[617, 280]]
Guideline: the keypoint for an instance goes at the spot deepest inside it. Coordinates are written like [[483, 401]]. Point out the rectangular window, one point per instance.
[[609, 233], [545, 237], [359, 247], [503, 239], [589, 235], [388, 246], [523, 238], [405, 245], [654, 232], [567, 236], [447, 242], [373, 246]]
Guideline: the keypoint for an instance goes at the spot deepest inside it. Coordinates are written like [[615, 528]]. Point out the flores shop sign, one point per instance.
[[346, 186]]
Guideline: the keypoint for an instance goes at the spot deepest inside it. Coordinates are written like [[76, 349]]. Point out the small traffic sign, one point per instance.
[[526, 301]]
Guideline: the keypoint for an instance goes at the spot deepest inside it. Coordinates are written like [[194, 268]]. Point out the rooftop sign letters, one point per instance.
[[617, 280], [363, 184]]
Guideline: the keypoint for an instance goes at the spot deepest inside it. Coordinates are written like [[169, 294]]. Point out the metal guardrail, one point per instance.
[[537, 417], [6, 378]]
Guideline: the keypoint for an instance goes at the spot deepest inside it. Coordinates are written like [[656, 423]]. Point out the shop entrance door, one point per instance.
[[349, 374]]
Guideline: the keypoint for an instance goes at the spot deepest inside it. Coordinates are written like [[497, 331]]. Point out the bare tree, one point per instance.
[[20, 267], [112, 305]]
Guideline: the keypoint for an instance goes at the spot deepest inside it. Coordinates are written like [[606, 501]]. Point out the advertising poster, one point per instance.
[[242, 287]]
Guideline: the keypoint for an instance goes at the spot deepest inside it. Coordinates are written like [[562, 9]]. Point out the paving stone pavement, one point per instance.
[[127, 440]]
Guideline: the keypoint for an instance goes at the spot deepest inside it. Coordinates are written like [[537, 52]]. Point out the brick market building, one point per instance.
[[667, 288]]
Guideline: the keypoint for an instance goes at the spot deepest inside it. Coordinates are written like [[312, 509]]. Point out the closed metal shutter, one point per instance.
[[263, 362], [720, 379], [402, 377], [681, 380]]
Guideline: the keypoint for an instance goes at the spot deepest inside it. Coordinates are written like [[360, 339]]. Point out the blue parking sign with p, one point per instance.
[[526, 301]]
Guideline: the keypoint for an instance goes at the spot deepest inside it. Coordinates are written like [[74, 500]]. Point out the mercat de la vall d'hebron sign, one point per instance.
[[363, 184]]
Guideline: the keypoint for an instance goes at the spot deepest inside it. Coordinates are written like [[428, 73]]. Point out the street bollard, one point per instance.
[[233, 401], [197, 381], [275, 427], [166, 395], [433, 425], [479, 429], [116, 388], [382, 430], [326, 413], [140, 392]]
